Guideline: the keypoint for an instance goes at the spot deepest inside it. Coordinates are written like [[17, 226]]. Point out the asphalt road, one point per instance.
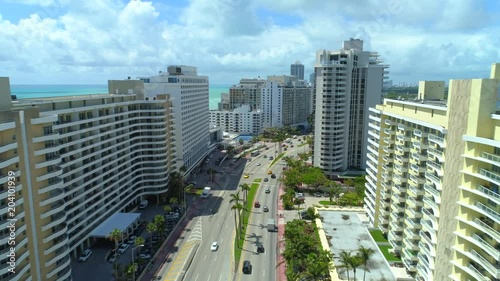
[[217, 222]]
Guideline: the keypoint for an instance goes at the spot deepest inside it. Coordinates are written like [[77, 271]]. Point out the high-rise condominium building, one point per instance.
[[433, 177], [285, 101], [297, 70], [348, 82], [68, 164], [248, 91], [190, 95], [241, 120]]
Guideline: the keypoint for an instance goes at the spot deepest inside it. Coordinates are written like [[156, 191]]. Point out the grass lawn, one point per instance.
[[378, 236], [238, 244], [388, 256], [257, 180], [277, 159], [326, 202]]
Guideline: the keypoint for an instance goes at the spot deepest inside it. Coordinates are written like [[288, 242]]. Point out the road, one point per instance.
[[216, 223]]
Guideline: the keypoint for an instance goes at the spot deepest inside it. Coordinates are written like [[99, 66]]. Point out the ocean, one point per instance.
[[43, 91]]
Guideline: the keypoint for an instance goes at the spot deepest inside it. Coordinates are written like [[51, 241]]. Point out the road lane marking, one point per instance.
[[221, 240], [205, 257], [209, 277], [196, 277], [264, 273]]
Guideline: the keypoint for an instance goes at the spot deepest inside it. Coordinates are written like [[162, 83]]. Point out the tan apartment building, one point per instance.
[[74, 162], [433, 172]]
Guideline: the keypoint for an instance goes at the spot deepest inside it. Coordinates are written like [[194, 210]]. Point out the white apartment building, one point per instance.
[[433, 177], [240, 120], [348, 82], [76, 162], [190, 97]]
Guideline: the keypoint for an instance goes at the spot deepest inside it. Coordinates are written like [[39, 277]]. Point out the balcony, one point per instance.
[[488, 211], [436, 153], [487, 247], [436, 167], [388, 140], [430, 202], [419, 133], [433, 191], [403, 138], [410, 234], [413, 202], [414, 224], [428, 213], [412, 212], [389, 132], [426, 238], [437, 140], [492, 157], [388, 149], [428, 224], [416, 191], [492, 269], [417, 180], [488, 192], [401, 127], [434, 179], [388, 122], [487, 229], [490, 175]]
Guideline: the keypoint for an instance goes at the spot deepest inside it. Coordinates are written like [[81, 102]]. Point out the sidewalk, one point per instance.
[[166, 252], [281, 270]]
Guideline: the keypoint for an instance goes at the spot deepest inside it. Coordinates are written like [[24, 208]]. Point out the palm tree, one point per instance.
[[345, 261], [334, 191], [237, 208], [115, 235], [245, 188], [173, 201], [167, 209], [150, 228], [159, 222], [355, 262], [365, 254], [139, 241]]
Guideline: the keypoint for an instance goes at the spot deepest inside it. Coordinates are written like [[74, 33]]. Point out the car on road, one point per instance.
[[265, 156], [123, 248], [268, 190], [271, 158], [114, 258], [145, 256], [246, 176], [85, 255], [318, 194], [247, 267], [265, 209], [269, 172], [214, 247], [266, 179], [273, 176], [257, 204], [258, 164], [260, 249]]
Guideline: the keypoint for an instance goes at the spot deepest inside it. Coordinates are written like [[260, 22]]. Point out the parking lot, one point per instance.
[[102, 269]]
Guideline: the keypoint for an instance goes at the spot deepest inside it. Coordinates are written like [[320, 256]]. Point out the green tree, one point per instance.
[[173, 200], [245, 188], [345, 261], [115, 235], [365, 254], [237, 211], [159, 222], [240, 141], [151, 228], [349, 199], [334, 191], [139, 241], [167, 209], [314, 177], [355, 262], [236, 200]]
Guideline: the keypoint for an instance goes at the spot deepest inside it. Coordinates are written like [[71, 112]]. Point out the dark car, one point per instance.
[[266, 179], [273, 176], [260, 249], [247, 267], [265, 209], [257, 204]]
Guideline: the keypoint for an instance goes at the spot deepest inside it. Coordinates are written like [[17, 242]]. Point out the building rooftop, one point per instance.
[[32, 101], [435, 102]]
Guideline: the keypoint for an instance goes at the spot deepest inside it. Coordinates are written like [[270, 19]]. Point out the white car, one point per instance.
[[145, 256], [85, 255], [114, 258], [131, 240], [258, 164], [214, 246], [123, 248]]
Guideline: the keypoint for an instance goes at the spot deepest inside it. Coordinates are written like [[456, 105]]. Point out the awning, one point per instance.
[[122, 221]]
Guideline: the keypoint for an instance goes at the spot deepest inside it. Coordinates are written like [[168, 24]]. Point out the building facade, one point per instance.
[[190, 99], [73, 163], [433, 172], [239, 120], [297, 70], [348, 82]]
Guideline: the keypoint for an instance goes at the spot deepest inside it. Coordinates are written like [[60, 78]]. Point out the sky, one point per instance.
[[92, 41]]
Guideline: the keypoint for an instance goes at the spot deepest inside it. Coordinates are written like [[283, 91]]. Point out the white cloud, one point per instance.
[[96, 40]]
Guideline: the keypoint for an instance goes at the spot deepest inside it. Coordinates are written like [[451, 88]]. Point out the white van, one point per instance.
[[206, 192], [143, 204]]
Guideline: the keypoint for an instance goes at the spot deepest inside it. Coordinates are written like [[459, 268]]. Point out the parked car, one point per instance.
[[318, 194], [131, 239], [214, 246], [85, 255], [123, 248], [114, 258], [265, 209], [145, 256]]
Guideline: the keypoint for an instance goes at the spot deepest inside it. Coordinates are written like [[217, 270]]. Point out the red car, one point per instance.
[[257, 204]]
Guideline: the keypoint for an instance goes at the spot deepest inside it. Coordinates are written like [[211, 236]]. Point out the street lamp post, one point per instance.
[[133, 264]]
